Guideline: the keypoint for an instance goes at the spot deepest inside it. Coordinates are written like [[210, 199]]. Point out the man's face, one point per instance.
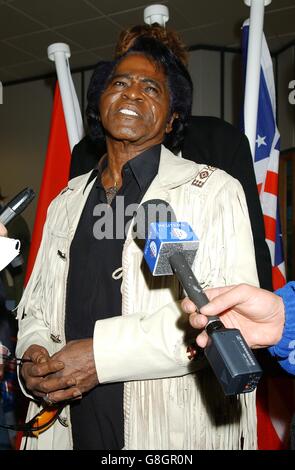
[[135, 105]]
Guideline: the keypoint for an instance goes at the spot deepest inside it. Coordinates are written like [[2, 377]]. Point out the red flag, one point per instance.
[[54, 179], [55, 174], [275, 397]]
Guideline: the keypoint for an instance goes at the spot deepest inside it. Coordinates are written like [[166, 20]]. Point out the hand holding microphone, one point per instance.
[[258, 313], [171, 248]]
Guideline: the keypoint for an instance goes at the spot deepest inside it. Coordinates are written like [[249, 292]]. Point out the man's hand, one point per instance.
[[39, 375], [257, 313], [78, 359]]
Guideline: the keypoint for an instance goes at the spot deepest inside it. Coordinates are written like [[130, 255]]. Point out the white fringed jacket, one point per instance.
[[166, 404]]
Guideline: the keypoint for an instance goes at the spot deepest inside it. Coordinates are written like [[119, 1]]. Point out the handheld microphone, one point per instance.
[[16, 205], [170, 248]]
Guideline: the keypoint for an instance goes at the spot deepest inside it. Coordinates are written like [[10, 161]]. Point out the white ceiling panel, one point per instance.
[[31, 69], [11, 56], [104, 53], [276, 4], [133, 17], [280, 22], [6, 75], [221, 32], [200, 12], [83, 59], [13, 23], [91, 27], [114, 6], [90, 34], [37, 43], [56, 12]]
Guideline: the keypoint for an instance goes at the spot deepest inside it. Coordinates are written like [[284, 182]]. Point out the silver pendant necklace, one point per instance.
[[111, 193]]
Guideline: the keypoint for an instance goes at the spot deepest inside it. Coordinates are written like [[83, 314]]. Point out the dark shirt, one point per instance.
[[93, 294], [214, 142]]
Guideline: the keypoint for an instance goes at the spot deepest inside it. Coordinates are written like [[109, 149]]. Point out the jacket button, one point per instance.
[[55, 338]]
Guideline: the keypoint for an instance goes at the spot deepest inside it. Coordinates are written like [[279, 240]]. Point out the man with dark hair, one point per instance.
[[214, 142], [116, 354], [207, 140]]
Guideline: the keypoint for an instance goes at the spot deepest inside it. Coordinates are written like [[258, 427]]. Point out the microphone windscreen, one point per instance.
[[153, 210], [164, 240]]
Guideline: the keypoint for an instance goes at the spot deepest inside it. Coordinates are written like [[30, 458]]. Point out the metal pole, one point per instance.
[[253, 68], [59, 53]]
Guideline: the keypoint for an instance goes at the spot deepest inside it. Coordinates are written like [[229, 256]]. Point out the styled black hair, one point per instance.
[[179, 84], [98, 83]]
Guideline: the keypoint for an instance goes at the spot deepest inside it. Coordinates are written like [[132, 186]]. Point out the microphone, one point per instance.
[[16, 205], [153, 210], [171, 248]]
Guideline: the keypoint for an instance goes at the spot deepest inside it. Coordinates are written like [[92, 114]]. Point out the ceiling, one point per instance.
[[91, 28]]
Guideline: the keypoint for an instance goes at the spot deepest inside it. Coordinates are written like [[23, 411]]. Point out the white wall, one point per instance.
[[204, 67], [24, 127]]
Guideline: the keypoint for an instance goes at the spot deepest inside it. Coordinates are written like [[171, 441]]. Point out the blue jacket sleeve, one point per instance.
[[284, 350]]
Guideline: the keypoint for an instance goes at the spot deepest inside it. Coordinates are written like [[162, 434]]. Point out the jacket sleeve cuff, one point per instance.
[[137, 347], [284, 350], [40, 337]]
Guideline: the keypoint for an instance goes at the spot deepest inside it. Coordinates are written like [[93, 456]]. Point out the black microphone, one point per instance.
[[16, 205], [153, 210], [171, 248]]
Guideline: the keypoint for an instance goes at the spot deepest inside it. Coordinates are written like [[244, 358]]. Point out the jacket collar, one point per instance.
[[173, 171]]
